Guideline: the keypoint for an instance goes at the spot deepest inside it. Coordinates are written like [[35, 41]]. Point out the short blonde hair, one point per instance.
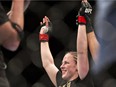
[[74, 54]]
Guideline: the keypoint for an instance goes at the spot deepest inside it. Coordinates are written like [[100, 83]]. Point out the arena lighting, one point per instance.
[[106, 32]]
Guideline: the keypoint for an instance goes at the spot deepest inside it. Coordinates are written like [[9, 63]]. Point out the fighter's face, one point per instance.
[[68, 67]]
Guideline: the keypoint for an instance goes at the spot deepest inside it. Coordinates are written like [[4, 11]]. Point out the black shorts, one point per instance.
[[3, 16]]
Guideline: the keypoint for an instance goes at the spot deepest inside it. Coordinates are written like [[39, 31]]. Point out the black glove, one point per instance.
[[86, 11], [80, 19]]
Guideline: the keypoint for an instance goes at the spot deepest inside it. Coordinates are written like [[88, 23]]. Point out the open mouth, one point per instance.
[[63, 71]]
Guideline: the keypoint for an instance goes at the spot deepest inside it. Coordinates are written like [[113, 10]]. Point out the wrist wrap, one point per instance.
[[43, 37], [81, 20]]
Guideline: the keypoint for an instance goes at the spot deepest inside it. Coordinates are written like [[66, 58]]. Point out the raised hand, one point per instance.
[[46, 27], [86, 8]]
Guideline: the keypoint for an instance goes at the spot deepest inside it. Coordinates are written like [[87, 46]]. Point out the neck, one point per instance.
[[74, 77]]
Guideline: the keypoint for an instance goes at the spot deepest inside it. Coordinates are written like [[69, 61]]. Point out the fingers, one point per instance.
[[45, 20], [86, 4], [41, 23]]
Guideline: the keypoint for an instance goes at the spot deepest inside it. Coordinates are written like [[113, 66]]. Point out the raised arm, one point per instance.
[[91, 37], [8, 35], [83, 65], [93, 45], [82, 60], [46, 56]]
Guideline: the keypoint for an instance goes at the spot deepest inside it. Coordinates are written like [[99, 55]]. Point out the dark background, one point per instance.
[[24, 65]]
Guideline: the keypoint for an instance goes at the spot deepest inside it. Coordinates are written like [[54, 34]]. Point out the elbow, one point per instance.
[[47, 63], [11, 46], [13, 49], [44, 65], [84, 73]]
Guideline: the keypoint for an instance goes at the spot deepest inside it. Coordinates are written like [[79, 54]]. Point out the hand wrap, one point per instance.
[[85, 12], [45, 37]]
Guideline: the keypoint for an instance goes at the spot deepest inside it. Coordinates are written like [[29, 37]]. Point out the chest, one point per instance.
[[73, 84]]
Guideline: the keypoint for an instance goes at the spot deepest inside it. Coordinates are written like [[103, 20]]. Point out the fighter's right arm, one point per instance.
[[46, 56]]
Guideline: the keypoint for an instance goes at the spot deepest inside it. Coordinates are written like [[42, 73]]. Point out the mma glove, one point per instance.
[[84, 15], [44, 36], [86, 11]]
